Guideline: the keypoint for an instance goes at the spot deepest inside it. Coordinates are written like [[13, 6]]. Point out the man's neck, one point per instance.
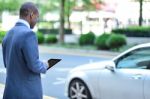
[[24, 22]]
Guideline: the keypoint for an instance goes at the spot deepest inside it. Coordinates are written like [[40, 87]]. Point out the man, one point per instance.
[[21, 57]]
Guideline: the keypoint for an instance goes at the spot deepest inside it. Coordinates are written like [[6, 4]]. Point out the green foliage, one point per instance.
[[87, 39], [45, 25], [134, 31], [115, 41], [110, 41], [69, 4], [2, 34], [101, 41], [10, 5], [88, 5], [51, 39], [40, 37], [48, 5]]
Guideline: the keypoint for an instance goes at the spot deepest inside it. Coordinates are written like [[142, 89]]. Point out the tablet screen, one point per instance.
[[52, 62]]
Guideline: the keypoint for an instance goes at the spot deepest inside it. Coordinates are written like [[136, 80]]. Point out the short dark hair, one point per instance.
[[27, 8]]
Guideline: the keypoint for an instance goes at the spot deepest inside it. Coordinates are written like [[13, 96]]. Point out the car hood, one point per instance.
[[92, 66]]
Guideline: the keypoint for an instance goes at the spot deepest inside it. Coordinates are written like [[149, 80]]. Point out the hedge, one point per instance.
[[87, 39], [110, 41], [115, 41], [2, 34], [101, 40], [40, 37], [133, 31], [51, 39]]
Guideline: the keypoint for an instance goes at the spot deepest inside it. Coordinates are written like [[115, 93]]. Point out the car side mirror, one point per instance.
[[111, 66]]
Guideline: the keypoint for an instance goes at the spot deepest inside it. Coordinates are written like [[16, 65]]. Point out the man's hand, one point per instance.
[[46, 63]]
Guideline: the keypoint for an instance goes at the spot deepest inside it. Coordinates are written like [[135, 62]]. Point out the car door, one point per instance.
[[147, 85], [126, 81]]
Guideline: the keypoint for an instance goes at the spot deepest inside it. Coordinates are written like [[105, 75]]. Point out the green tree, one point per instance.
[[61, 31], [11, 5], [87, 4], [48, 5], [69, 5]]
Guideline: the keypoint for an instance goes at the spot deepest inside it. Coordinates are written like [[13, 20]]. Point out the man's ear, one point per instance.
[[31, 14]]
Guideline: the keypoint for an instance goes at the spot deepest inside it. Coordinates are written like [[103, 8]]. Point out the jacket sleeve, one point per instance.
[[4, 52], [31, 54]]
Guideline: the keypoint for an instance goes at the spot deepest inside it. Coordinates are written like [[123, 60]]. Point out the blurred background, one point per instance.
[[70, 21]]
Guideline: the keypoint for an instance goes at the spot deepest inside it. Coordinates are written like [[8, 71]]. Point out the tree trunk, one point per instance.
[[141, 13], [68, 14], [61, 30], [69, 23]]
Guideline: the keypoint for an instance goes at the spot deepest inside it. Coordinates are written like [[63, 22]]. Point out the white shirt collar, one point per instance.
[[24, 22]]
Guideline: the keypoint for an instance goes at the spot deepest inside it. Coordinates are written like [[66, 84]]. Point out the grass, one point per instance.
[[85, 47], [123, 48], [72, 46]]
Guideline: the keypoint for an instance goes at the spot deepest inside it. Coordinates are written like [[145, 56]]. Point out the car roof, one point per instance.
[[132, 48]]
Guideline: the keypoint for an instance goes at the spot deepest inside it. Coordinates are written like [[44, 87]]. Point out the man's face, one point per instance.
[[34, 17]]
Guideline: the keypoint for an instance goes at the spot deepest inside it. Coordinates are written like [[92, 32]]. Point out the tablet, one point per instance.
[[52, 62]]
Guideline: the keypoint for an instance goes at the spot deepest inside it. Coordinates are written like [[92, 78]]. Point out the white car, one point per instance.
[[126, 76]]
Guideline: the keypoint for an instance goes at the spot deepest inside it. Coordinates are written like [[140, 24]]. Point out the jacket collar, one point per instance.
[[23, 22]]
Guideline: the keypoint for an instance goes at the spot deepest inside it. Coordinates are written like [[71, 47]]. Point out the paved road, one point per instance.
[[54, 79]]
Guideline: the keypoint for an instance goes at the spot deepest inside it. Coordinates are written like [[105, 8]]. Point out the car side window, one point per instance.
[[139, 58]]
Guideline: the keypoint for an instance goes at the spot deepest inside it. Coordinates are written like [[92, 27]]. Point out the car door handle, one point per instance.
[[137, 76]]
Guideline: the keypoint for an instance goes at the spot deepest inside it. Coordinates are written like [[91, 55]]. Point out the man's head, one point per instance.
[[29, 12]]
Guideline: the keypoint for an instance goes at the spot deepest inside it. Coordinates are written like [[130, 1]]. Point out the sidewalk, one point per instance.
[[77, 52], [1, 91], [65, 51]]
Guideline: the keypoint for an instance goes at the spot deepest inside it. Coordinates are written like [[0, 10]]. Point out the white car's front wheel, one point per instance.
[[78, 90]]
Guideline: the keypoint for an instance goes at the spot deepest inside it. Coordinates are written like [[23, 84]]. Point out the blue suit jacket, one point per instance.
[[21, 59]]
